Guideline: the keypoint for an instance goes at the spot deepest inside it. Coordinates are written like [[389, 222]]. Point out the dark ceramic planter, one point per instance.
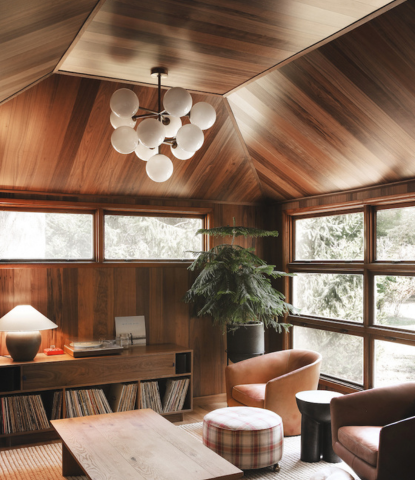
[[245, 342]]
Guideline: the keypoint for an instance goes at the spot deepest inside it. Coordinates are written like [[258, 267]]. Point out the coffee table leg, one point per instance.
[[328, 453], [310, 439], [69, 465]]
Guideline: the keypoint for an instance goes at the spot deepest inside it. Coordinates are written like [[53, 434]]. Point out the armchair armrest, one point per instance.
[[396, 450]]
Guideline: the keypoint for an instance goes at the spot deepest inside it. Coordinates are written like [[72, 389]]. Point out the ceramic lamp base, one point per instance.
[[23, 346]]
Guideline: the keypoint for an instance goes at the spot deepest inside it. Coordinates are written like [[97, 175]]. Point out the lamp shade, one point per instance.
[[159, 168], [174, 123], [203, 115], [144, 153], [151, 133], [180, 153], [190, 138], [124, 103], [124, 139], [25, 318], [177, 102], [117, 121]]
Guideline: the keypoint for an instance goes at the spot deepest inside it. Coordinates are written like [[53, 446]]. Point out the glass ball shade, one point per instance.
[[159, 168], [170, 130], [124, 103], [121, 121], [190, 138], [124, 139], [202, 115], [144, 153], [180, 153], [177, 101], [151, 133]]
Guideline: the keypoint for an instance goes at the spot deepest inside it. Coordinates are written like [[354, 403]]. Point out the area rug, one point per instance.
[[44, 462]]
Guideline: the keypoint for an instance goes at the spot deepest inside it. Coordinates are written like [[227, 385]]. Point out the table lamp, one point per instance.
[[22, 325]]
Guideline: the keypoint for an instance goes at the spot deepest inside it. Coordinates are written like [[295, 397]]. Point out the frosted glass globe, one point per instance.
[[190, 138], [181, 154], [170, 130], [203, 115], [177, 101], [121, 121], [159, 168], [151, 133], [124, 103], [144, 153], [124, 139]]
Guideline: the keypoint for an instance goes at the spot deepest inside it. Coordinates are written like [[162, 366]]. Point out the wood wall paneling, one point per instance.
[[207, 46], [84, 300], [34, 36]]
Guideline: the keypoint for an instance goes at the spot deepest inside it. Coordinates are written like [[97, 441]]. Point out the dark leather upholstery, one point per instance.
[[271, 381], [374, 432]]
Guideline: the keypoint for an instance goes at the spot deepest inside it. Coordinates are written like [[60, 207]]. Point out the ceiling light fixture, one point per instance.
[[161, 127]]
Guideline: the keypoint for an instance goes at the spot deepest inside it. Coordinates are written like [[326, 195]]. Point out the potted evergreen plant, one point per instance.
[[234, 288]]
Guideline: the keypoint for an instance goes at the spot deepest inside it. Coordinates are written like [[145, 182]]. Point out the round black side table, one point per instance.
[[314, 406]]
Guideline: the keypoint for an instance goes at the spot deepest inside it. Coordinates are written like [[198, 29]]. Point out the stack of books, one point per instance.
[[23, 414], [122, 397], [150, 396], [175, 395], [81, 403], [56, 406]]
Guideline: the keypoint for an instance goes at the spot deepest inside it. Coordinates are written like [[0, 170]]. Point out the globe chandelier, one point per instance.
[[163, 126]]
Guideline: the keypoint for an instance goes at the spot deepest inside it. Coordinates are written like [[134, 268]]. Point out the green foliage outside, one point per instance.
[[340, 237], [234, 285]]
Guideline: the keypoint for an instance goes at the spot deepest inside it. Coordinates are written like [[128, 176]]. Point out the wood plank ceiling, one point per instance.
[[338, 118], [34, 35], [301, 120], [210, 46]]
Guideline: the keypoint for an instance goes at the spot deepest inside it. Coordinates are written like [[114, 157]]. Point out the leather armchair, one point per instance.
[[271, 381], [374, 432]]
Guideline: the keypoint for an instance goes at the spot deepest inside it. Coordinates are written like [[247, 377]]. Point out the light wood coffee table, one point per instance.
[[136, 445]]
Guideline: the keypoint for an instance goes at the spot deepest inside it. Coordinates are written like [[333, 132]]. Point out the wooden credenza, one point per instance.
[[47, 374]]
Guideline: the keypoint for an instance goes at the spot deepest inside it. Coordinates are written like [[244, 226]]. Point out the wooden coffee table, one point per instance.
[[136, 445]]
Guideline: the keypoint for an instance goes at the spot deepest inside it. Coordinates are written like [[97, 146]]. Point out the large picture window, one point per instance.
[[133, 237], [354, 292], [45, 236]]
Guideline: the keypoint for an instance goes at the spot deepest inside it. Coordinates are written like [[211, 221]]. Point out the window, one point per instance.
[[133, 237], [45, 236], [354, 292]]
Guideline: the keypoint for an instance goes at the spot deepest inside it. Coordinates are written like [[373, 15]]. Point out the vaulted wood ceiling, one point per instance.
[[300, 121]]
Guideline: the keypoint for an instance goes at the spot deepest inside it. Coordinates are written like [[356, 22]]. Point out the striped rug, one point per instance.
[[44, 462]]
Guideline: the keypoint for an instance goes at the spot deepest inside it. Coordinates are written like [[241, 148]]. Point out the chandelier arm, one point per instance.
[[149, 110], [145, 115]]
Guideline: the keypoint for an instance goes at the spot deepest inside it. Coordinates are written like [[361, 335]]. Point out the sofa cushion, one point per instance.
[[362, 442], [252, 395]]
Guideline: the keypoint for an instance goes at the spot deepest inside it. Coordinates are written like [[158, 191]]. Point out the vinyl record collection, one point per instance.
[[23, 413], [173, 398], [81, 403], [122, 397]]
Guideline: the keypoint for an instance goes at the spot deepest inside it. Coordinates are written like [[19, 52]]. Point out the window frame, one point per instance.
[[369, 268], [97, 210]]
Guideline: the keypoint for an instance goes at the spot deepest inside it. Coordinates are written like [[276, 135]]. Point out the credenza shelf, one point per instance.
[[48, 374]]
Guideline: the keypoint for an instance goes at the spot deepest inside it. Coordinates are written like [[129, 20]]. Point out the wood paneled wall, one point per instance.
[[83, 301]]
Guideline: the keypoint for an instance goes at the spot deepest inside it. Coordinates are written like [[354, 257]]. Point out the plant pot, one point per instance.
[[245, 342]]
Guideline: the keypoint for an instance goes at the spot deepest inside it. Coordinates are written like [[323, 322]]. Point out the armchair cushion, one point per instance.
[[362, 442], [252, 395]]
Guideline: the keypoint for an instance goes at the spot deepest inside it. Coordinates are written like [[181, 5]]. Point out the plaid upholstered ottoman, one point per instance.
[[245, 436]]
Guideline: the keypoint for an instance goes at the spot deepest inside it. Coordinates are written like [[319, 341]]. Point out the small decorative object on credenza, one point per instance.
[[23, 324], [91, 348], [130, 330]]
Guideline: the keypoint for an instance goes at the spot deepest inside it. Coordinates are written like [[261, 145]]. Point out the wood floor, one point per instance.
[[202, 406]]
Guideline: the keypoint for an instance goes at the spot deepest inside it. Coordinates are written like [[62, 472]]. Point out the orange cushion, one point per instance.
[[362, 442], [252, 395]]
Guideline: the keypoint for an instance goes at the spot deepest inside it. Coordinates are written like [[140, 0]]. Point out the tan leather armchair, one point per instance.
[[374, 432], [271, 381]]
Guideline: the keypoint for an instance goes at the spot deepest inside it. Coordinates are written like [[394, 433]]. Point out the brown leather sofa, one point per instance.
[[271, 381], [374, 432]]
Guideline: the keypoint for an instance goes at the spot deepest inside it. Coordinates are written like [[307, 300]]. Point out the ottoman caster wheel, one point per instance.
[[276, 468]]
